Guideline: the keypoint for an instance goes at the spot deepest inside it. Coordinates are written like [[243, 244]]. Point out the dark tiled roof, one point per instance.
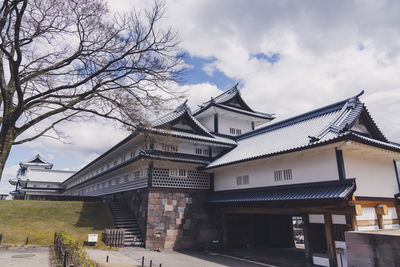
[[179, 113], [307, 191], [178, 157], [222, 100]]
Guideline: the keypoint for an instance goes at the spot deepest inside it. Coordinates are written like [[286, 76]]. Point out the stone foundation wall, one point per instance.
[[178, 219], [137, 201], [374, 248]]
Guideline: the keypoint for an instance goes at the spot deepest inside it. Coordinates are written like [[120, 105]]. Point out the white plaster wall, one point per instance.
[[375, 175], [307, 167], [207, 121], [392, 213], [227, 122], [368, 213]]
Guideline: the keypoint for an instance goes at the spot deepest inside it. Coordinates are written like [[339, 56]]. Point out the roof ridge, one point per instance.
[[232, 89], [298, 118]]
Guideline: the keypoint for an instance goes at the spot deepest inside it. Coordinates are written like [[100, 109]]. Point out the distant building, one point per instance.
[[227, 172], [36, 179]]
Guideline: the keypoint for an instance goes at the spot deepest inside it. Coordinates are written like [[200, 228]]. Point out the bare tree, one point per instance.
[[61, 60]]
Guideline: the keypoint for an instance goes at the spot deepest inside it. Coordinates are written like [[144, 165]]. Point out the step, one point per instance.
[[125, 220], [134, 244]]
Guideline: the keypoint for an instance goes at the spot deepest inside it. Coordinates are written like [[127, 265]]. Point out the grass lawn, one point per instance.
[[39, 220]]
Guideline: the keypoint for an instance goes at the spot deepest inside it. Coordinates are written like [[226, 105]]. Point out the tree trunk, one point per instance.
[[7, 138]]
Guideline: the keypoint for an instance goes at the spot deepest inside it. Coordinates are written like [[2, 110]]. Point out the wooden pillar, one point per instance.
[[251, 229], [224, 230], [307, 245], [329, 240], [380, 211]]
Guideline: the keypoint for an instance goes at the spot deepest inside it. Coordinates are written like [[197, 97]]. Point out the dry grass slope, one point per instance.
[[39, 220]]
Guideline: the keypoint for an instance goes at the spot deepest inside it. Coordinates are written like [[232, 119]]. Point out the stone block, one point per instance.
[[181, 209], [168, 207], [172, 232], [169, 245]]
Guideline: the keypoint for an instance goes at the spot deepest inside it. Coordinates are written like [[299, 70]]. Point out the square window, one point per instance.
[[137, 174], [278, 176], [173, 172], [246, 179], [239, 180], [182, 172]]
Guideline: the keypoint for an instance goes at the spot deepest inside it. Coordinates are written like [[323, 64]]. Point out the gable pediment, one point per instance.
[[366, 126]]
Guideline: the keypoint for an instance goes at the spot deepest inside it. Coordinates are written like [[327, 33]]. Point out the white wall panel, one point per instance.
[[307, 167], [316, 218], [375, 175], [338, 219], [367, 214]]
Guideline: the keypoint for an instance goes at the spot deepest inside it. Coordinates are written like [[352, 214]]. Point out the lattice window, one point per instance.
[[173, 172], [182, 173], [126, 178], [278, 176], [287, 174], [199, 151], [239, 180], [246, 179], [194, 179]]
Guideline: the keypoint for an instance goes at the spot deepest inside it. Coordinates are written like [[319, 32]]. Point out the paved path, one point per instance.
[[133, 256], [24, 257]]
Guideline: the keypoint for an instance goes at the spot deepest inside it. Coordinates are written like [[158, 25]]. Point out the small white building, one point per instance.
[[36, 179]]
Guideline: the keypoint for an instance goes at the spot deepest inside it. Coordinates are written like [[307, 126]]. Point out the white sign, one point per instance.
[[92, 237]]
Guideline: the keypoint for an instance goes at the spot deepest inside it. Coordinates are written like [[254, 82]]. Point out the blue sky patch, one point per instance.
[[275, 57], [196, 74]]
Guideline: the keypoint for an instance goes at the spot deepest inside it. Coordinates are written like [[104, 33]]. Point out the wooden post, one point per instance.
[[224, 230], [251, 230], [307, 245], [351, 220], [329, 240], [380, 211]]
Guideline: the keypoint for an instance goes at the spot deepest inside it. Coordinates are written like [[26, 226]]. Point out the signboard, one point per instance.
[[92, 237]]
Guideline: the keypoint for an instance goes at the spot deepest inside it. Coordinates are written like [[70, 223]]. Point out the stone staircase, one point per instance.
[[124, 219]]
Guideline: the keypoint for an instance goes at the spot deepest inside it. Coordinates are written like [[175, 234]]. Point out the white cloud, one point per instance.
[[320, 59], [85, 140], [319, 46]]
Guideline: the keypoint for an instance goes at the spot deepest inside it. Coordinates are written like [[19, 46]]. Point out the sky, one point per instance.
[[287, 56]]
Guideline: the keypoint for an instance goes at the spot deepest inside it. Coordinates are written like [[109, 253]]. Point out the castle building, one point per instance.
[[36, 179], [226, 172]]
